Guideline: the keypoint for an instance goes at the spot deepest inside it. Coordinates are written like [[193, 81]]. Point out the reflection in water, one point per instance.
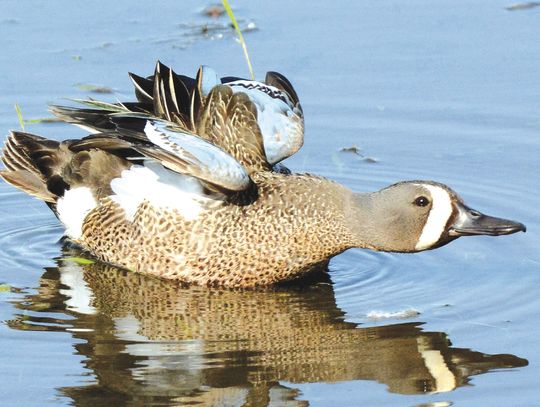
[[155, 342]]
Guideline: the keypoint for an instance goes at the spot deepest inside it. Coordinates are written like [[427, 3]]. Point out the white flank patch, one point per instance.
[[441, 210], [161, 188], [73, 207], [434, 361]]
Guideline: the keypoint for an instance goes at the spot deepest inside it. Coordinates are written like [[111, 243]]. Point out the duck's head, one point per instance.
[[412, 216]]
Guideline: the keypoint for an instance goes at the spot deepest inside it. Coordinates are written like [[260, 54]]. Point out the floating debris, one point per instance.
[[523, 6], [214, 30], [357, 151], [408, 313], [352, 149], [87, 87], [214, 10], [250, 27], [204, 29]]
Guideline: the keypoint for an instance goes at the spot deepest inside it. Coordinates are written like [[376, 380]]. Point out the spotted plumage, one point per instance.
[[187, 184]]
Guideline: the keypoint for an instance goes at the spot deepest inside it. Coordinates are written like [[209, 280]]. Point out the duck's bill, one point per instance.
[[470, 222]]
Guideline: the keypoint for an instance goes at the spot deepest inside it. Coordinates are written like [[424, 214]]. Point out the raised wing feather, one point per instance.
[[216, 132], [229, 120], [279, 116]]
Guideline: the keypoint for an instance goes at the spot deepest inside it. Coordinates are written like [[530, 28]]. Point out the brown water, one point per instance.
[[447, 91]]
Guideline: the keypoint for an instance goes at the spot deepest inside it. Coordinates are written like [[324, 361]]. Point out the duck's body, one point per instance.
[[293, 223], [185, 184]]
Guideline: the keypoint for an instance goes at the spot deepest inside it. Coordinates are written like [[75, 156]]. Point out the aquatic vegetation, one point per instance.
[[23, 121], [19, 115], [240, 36]]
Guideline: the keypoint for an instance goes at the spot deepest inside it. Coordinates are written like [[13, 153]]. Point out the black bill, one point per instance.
[[470, 222]]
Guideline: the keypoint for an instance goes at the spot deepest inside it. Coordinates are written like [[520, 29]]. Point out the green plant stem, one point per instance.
[[240, 36]]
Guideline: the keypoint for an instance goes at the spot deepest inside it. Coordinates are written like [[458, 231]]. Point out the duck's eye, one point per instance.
[[421, 201]]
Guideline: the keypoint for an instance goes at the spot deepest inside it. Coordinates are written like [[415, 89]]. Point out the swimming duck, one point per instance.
[[187, 184]]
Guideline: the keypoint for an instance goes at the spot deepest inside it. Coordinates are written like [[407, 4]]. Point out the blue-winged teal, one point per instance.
[[186, 184]]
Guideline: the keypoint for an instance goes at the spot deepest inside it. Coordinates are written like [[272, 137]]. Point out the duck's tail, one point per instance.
[[32, 165]]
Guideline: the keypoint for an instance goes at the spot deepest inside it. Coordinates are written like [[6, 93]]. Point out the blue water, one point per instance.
[[444, 90]]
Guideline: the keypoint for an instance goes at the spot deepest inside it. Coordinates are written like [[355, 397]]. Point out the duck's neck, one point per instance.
[[371, 223], [362, 220]]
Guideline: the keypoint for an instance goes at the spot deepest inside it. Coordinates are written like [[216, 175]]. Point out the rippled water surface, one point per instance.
[[445, 90]]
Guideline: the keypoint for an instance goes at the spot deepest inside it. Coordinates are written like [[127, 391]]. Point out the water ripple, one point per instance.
[[28, 240]]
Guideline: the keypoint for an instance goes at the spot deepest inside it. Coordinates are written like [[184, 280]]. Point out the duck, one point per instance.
[[187, 183]]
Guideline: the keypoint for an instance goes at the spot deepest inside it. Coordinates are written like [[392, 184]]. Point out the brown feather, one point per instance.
[[229, 121], [144, 88], [196, 102], [46, 168], [279, 81], [94, 169], [30, 183]]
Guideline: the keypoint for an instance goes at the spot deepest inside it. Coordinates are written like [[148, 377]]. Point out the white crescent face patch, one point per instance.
[[441, 210]]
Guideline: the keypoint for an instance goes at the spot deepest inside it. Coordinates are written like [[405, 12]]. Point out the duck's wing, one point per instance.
[[171, 96], [219, 122], [178, 99], [258, 124], [95, 117], [279, 113], [229, 120], [181, 151], [224, 147]]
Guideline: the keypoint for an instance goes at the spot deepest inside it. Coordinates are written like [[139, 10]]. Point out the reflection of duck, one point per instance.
[[185, 184], [152, 339]]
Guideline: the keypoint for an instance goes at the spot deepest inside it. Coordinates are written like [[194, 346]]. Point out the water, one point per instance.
[[446, 91]]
